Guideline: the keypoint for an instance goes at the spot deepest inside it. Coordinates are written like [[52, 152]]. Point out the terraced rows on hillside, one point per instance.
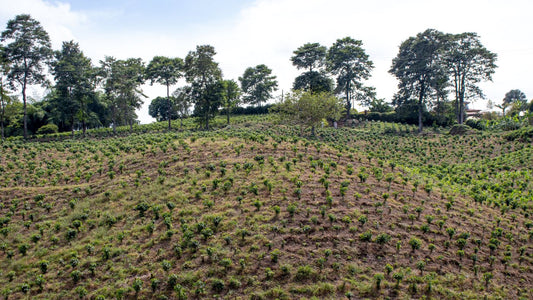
[[254, 211]]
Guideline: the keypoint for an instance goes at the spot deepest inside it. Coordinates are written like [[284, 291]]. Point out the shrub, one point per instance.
[[487, 277], [383, 238], [378, 277], [523, 134], [459, 129], [217, 285], [81, 291], [234, 283], [226, 263], [75, 275], [274, 255], [137, 285], [43, 265], [398, 276], [365, 236], [415, 243], [304, 272], [181, 292], [48, 129], [23, 249]]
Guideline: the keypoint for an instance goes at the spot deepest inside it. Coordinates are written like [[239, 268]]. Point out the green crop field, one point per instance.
[[256, 211]]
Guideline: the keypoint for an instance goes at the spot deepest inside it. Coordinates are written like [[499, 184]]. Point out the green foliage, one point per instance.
[[257, 84], [347, 60], [48, 129], [479, 175], [137, 285], [304, 272], [308, 109], [415, 243], [417, 68], [27, 49]]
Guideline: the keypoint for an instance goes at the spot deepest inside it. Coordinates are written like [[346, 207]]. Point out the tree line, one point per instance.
[[83, 95], [429, 67]]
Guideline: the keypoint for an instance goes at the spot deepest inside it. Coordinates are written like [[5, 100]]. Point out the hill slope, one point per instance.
[[258, 212]]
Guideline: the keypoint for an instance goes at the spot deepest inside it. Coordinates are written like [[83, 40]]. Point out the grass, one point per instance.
[[255, 209]]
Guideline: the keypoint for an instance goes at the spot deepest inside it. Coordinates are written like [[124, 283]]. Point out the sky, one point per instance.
[[246, 33]]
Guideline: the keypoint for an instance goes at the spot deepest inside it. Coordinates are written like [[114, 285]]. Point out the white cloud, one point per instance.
[[57, 18]]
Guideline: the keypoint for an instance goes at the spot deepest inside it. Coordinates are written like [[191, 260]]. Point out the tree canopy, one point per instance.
[[257, 84], [203, 74], [311, 56], [429, 67], [308, 109], [468, 63], [418, 69], [158, 109], [75, 84], [28, 50], [348, 61], [166, 71], [122, 80], [231, 96]]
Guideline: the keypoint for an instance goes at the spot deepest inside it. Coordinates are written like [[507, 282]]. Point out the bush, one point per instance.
[[475, 124], [48, 129], [459, 129], [250, 110], [524, 134], [217, 285], [304, 272]]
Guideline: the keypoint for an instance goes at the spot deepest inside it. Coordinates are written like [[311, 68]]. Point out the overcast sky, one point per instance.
[[246, 33]]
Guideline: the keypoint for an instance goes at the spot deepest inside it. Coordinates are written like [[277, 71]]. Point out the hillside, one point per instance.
[[255, 211]]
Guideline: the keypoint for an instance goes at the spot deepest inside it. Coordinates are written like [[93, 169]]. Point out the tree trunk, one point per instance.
[[420, 101], [169, 108], [348, 103], [72, 126], [84, 125], [2, 113], [2, 125], [25, 110], [462, 100], [227, 114], [2, 122], [456, 85], [114, 126], [313, 130]]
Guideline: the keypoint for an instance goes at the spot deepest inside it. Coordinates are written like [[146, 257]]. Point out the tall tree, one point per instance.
[[167, 71], [417, 66], [311, 57], [347, 59], [28, 50], [257, 84], [202, 73], [517, 100], [468, 63], [231, 96], [75, 83], [515, 96], [183, 101], [122, 80], [4, 69]]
